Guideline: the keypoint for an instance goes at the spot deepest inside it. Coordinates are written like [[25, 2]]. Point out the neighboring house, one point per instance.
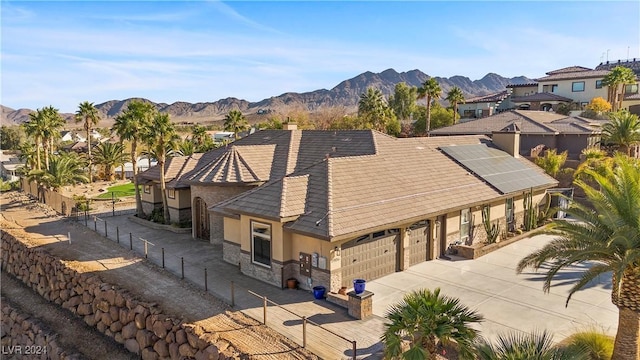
[[78, 146], [9, 165], [482, 106], [178, 193], [66, 136], [575, 85], [143, 164], [539, 129], [327, 207]]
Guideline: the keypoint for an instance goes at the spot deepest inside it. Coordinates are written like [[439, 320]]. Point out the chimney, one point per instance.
[[289, 125], [508, 139]]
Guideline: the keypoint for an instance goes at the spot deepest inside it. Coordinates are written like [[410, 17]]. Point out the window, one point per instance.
[[598, 84], [631, 89], [261, 243], [147, 189], [509, 210], [465, 219], [171, 193], [577, 86], [554, 88]]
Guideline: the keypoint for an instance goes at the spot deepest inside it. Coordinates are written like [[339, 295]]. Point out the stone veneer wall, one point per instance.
[[212, 195], [272, 275], [141, 327], [29, 338]]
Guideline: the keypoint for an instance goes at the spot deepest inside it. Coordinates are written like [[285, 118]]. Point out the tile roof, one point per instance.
[[574, 75], [543, 96], [528, 121], [174, 167], [569, 69], [522, 85], [488, 98], [405, 180]]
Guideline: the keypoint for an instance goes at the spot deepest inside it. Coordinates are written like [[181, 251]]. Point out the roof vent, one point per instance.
[[346, 139]]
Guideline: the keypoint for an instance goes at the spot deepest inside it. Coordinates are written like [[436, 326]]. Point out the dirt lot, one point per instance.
[[245, 336]]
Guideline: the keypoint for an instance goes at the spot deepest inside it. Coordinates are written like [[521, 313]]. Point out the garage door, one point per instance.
[[369, 257], [419, 243]]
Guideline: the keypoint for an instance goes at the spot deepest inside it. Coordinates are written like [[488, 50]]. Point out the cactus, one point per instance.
[[530, 212], [492, 230]]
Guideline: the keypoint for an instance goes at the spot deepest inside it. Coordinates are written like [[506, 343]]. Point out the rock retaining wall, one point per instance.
[[28, 338], [140, 326]]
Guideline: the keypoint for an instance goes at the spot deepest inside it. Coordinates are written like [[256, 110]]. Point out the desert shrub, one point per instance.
[[596, 344]]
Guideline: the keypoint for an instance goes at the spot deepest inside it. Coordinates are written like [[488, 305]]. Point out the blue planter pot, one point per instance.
[[359, 285], [318, 292]]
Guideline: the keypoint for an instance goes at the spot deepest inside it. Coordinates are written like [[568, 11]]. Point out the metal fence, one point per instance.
[[229, 292]]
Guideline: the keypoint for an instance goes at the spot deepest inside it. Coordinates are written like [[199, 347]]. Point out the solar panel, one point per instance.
[[501, 170]]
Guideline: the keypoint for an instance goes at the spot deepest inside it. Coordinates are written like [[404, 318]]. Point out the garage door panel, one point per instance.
[[369, 258], [419, 243]]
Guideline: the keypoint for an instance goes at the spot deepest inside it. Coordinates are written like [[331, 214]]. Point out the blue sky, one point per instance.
[[62, 53]]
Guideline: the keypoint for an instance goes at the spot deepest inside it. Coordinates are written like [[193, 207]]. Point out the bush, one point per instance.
[[157, 216], [596, 344]]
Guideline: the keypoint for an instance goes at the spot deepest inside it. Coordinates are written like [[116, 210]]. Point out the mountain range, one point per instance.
[[346, 95]]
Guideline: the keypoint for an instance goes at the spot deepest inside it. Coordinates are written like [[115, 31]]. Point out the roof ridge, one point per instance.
[[330, 197], [536, 122], [246, 165]]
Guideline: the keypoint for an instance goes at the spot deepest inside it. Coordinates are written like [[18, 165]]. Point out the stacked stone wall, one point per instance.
[[141, 327], [27, 338]]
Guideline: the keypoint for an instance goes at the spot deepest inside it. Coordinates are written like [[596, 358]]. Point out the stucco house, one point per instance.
[[482, 106], [178, 193], [538, 129]]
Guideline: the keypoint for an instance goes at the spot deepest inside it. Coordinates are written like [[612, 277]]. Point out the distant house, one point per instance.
[[482, 106], [538, 129], [143, 164], [9, 166], [327, 207]]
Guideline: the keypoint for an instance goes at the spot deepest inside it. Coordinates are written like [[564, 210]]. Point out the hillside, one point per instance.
[[346, 94]]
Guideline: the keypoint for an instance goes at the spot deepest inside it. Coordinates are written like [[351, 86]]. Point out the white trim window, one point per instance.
[[171, 193], [147, 189], [465, 225], [261, 243], [577, 86]]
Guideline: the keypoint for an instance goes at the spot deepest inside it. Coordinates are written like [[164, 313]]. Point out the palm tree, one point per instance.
[[236, 122], [609, 235], [623, 130], [34, 128], [375, 113], [427, 320], [110, 156], [88, 114], [552, 162], [185, 148], [65, 169], [130, 126], [524, 346], [199, 135], [160, 136], [431, 91], [455, 97], [44, 126], [615, 81]]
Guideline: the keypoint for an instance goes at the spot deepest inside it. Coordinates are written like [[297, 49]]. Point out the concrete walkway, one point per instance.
[[509, 302]]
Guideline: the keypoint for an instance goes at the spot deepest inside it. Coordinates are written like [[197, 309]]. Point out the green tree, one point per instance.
[[615, 81], [440, 117], [455, 97], [607, 234], [595, 160], [623, 131], [425, 320], [65, 169], [130, 126], [11, 137], [403, 101], [109, 156], [430, 90], [160, 136], [89, 116], [199, 135], [236, 122], [523, 346], [374, 113], [185, 148], [551, 162]]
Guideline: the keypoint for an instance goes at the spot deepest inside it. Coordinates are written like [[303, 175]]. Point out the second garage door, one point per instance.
[[419, 243], [369, 257]]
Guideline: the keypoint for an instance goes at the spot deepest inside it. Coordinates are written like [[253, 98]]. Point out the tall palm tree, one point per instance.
[[160, 136], [375, 113], [426, 320], [623, 131], [236, 122], [455, 97], [89, 115], [609, 235], [615, 81], [130, 125], [430, 90], [44, 126], [110, 156], [198, 135], [525, 346], [34, 128]]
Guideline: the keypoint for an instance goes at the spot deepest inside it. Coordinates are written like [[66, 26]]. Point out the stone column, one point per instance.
[[360, 305]]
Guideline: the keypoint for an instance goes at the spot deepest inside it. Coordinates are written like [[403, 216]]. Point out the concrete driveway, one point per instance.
[[509, 302]]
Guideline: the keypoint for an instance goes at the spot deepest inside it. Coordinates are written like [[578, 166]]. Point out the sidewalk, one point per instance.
[[199, 255]]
